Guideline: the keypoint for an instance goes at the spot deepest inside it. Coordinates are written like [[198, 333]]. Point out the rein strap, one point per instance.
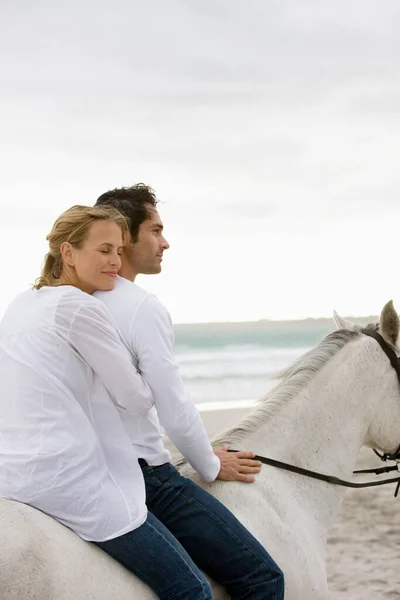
[[329, 478]]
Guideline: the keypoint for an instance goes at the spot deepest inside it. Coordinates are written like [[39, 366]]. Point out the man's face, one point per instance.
[[146, 253]]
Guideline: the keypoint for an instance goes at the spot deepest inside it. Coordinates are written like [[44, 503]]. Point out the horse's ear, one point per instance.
[[339, 322], [342, 323], [389, 324]]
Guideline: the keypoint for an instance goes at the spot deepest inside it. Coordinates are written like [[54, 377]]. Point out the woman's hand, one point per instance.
[[235, 465]]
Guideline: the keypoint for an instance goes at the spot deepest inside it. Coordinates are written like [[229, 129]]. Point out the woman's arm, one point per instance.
[[95, 338]]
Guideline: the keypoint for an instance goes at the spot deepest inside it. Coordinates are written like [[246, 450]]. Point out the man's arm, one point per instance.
[[152, 342]]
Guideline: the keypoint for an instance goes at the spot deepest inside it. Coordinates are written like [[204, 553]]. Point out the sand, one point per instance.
[[363, 555], [364, 546]]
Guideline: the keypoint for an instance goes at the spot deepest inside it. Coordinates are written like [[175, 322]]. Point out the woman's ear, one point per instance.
[[68, 254]]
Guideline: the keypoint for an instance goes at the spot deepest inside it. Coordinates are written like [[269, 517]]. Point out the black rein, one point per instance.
[[330, 478]]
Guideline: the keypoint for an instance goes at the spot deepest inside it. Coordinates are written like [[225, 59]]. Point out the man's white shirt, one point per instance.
[[145, 326]]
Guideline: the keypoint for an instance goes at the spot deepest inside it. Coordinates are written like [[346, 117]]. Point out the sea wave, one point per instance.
[[232, 372], [239, 362]]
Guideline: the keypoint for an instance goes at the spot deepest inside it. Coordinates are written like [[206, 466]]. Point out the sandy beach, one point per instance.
[[364, 546], [363, 550]]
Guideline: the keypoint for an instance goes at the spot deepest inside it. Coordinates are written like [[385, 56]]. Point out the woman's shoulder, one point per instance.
[[75, 311], [75, 300]]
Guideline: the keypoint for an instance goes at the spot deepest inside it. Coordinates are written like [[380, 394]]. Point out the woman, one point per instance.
[[64, 374]]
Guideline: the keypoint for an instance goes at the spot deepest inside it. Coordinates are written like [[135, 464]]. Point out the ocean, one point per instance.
[[233, 364]]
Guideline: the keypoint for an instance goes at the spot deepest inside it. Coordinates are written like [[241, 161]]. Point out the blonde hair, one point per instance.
[[73, 226]]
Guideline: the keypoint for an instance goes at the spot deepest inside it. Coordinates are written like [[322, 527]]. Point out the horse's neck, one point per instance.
[[321, 428]]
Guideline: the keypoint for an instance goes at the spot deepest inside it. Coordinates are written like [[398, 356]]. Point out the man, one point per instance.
[[212, 536]]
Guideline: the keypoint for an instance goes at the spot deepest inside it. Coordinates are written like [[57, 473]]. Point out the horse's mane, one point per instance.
[[292, 380]]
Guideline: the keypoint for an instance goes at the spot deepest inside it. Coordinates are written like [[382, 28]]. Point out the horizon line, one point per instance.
[[266, 320]]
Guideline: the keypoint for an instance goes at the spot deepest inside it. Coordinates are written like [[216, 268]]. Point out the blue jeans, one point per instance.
[[200, 526], [153, 554]]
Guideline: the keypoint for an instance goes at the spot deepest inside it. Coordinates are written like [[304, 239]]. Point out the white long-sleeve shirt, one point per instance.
[[65, 379], [145, 326]]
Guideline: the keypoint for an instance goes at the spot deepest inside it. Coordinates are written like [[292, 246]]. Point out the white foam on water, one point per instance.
[[227, 405]]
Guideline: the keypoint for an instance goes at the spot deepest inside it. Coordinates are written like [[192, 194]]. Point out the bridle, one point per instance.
[[395, 456], [395, 362]]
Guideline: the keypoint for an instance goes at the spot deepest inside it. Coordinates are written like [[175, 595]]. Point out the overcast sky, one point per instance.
[[269, 129]]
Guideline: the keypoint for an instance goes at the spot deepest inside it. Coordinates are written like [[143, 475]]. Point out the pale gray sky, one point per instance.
[[269, 128]]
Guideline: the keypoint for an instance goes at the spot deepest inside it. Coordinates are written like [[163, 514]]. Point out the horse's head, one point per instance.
[[384, 428]]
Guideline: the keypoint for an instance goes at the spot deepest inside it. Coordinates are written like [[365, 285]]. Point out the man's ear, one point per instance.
[[68, 254], [127, 238]]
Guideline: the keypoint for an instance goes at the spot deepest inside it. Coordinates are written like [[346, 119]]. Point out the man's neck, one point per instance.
[[127, 272]]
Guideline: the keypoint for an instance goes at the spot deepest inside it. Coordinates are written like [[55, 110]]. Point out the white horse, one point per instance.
[[339, 396]]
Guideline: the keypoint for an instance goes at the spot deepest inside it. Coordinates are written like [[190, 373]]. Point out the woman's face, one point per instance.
[[95, 265]]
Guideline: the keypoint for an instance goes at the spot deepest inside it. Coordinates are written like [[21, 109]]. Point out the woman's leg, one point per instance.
[[216, 541], [153, 554]]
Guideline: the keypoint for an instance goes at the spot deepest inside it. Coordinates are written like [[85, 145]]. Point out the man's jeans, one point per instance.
[[153, 554], [202, 528]]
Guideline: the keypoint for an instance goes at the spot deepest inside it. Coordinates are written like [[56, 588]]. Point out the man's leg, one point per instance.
[[153, 554], [217, 542]]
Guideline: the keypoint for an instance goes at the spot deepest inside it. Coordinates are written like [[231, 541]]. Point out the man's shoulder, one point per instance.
[[124, 291], [130, 287], [128, 301]]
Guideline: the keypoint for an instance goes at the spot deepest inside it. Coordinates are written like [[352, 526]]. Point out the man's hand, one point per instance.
[[234, 465]]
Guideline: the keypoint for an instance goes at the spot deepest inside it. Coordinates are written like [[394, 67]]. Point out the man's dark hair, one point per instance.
[[133, 202]]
